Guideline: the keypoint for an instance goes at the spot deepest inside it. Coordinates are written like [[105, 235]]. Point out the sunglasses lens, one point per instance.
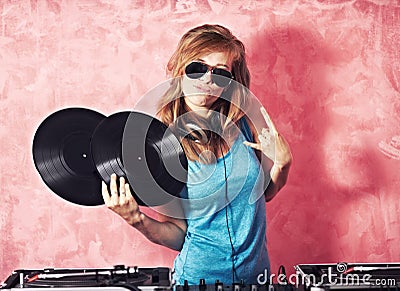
[[221, 77], [195, 70]]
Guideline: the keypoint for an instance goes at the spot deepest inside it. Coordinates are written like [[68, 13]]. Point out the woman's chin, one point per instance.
[[200, 100]]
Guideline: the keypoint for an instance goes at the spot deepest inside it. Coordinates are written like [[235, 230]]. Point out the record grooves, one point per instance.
[[62, 156], [154, 160], [106, 148], [74, 149]]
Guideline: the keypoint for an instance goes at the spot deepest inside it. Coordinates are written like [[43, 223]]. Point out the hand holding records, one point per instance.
[[121, 200]]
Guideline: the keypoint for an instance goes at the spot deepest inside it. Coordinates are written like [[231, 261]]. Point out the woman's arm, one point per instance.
[[278, 155], [279, 174], [169, 231]]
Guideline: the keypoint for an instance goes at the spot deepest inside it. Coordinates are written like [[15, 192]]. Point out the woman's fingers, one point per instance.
[[122, 191], [121, 200], [268, 120], [253, 145], [114, 190], [283, 153], [118, 195], [129, 196]]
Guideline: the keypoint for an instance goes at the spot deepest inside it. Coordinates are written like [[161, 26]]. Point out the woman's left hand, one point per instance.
[[272, 143]]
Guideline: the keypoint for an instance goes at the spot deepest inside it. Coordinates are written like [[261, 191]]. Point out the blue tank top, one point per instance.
[[226, 219]]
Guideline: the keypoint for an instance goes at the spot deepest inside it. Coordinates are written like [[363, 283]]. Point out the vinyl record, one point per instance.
[[106, 147], [63, 158], [154, 160]]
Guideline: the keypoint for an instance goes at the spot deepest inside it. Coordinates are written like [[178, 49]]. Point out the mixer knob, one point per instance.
[[135, 273], [119, 267], [202, 285], [236, 287], [185, 285], [219, 286]]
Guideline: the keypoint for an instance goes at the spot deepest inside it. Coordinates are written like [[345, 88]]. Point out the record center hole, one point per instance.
[[139, 158], [84, 155]]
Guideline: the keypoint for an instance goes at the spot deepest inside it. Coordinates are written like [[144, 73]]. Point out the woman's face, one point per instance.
[[201, 93]]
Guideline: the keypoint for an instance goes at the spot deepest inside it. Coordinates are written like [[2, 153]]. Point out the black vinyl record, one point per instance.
[[63, 158], [154, 161], [106, 148]]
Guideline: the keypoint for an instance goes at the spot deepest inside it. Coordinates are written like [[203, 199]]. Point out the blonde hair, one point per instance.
[[197, 42]]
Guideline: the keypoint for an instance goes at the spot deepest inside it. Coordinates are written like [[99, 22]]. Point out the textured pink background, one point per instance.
[[327, 71]]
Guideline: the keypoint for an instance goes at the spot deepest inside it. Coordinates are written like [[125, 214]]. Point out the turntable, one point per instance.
[[88, 279]]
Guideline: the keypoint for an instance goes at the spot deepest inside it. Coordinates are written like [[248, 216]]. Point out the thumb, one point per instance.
[[253, 145]]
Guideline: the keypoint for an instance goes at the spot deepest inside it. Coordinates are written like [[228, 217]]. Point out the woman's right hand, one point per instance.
[[121, 200], [166, 231]]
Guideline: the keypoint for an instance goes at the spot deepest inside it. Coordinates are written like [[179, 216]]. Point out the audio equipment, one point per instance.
[[219, 286], [117, 278], [197, 128], [308, 277]]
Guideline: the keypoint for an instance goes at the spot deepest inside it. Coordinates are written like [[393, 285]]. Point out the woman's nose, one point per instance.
[[206, 77]]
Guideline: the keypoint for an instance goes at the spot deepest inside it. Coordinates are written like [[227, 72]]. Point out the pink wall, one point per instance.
[[327, 71]]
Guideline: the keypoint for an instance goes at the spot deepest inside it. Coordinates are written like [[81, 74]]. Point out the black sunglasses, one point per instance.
[[221, 77]]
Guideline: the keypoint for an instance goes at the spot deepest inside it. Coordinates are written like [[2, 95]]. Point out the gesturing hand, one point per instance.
[[272, 144], [122, 201]]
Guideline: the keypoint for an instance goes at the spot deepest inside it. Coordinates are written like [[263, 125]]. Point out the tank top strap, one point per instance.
[[245, 128]]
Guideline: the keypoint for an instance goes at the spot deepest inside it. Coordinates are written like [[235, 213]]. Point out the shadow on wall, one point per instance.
[[292, 76]]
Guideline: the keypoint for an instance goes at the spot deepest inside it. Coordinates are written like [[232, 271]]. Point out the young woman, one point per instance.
[[223, 234]]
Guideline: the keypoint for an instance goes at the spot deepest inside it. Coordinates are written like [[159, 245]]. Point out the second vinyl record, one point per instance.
[[154, 160], [62, 155]]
